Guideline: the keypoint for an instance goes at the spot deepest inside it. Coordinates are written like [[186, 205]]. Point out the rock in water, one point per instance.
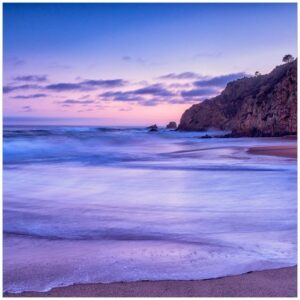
[[265, 105], [206, 136], [172, 125], [153, 128]]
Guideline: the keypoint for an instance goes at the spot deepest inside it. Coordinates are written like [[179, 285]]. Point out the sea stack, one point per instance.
[[264, 105], [152, 128], [171, 125]]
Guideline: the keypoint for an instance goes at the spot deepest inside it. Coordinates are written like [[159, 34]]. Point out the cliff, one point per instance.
[[265, 105]]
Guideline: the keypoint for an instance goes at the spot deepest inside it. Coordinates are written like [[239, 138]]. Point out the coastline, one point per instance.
[[284, 151], [268, 283]]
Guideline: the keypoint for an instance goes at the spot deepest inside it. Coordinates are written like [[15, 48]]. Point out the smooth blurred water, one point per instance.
[[88, 204]]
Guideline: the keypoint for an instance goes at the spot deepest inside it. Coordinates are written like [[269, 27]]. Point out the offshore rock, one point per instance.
[[172, 125]]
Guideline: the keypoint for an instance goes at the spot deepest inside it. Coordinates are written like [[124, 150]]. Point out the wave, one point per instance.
[[210, 168], [11, 131], [108, 236], [26, 133]]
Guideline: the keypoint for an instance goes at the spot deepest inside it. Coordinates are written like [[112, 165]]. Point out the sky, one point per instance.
[[133, 64]]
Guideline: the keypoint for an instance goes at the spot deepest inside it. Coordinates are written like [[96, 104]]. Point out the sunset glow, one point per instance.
[[99, 71]]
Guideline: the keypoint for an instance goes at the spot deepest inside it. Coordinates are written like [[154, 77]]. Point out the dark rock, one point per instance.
[[172, 125], [260, 106], [152, 128], [206, 136]]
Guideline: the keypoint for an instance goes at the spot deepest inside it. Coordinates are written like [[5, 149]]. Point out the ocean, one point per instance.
[[109, 204]]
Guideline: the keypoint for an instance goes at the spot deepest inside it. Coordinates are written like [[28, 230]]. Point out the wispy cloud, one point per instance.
[[182, 89], [159, 93], [184, 75], [61, 87], [85, 110], [31, 78], [86, 85], [139, 60], [126, 58], [30, 96], [138, 95], [75, 101], [104, 83], [220, 81], [151, 95], [185, 100], [12, 88], [154, 90], [26, 108], [121, 96]]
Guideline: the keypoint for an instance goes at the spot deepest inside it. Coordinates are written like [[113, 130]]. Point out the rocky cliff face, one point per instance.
[[265, 105]]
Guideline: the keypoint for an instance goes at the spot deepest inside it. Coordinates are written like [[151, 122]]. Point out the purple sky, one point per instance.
[[133, 64]]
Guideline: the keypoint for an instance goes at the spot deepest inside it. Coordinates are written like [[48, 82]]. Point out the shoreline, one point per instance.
[[289, 151], [280, 282]]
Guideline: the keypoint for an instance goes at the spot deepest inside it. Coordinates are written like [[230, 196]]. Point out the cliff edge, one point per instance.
[[265, 105]]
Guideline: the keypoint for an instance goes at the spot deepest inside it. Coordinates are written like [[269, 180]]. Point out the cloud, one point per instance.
[[126, 58], [60, 87], [11, 88], [184, 75], [30, 96], [139, 60], [136, 95], [104, 83], [154, 90], [26, 108], [152, 102], [31, 78], [200, 92], [156, 94], [179, 85], [73, 101], [126, 97], [85, 110], [84, 97], [184, 100], [220, 81], [121, 96], [86, 85]]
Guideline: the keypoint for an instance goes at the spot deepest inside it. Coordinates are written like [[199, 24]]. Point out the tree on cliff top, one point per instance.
[[288, 58]]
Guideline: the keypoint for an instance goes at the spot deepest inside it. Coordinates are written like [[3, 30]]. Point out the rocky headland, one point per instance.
[[263, 105]]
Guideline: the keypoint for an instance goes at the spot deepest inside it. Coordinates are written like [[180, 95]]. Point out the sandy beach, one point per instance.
[[97, 233], [270, 283], [285, 151]]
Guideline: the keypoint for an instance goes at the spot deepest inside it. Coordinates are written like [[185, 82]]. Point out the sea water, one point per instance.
[[95, 204]]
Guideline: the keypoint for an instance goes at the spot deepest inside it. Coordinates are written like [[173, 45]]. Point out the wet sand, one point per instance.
[[285, 151], [270, 283]]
